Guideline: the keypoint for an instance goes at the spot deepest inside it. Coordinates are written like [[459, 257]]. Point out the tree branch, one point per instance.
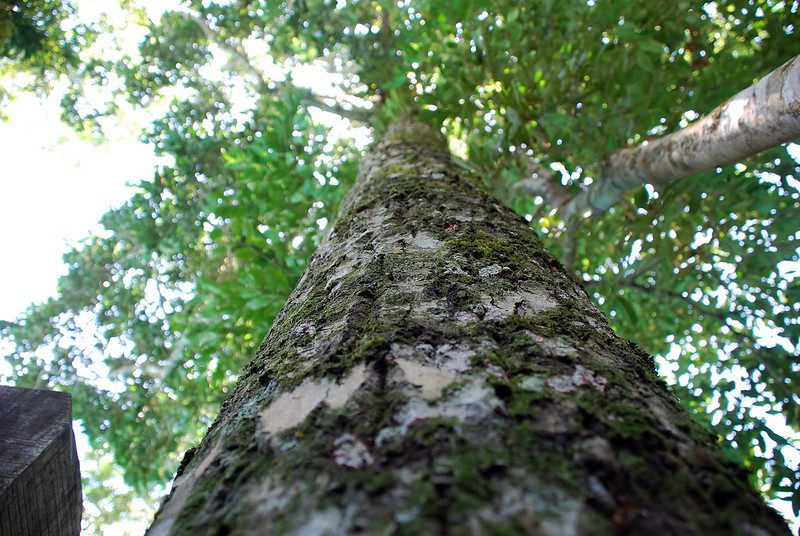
[[361, 115], [542, 181], [764, 115], [236, 51], [268, 85]]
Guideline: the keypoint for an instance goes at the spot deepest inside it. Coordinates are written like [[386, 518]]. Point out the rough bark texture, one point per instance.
[[764, 115], [437, 372]]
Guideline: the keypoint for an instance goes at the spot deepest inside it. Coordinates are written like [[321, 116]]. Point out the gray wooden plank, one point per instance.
[[40, 484]]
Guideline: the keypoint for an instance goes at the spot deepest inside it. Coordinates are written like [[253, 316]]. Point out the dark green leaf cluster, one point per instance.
[[40, 38]]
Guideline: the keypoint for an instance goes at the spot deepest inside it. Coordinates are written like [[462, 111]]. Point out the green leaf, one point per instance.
[[260, 302]]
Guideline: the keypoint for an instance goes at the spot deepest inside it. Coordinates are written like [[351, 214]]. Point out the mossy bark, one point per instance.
[[437, 372]]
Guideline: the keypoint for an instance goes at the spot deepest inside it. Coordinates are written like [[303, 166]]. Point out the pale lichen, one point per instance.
[[530, 302], [425, 241], [488, 271], [430, 380], [351, 452], [291, 408], [580, 377]]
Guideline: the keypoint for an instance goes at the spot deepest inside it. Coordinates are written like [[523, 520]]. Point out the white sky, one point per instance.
[[54, 187]]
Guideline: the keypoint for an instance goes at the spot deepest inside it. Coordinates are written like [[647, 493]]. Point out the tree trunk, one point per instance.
[[437, 372]]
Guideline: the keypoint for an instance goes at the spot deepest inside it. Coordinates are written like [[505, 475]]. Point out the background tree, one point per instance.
[[38, 43], [157, 315]]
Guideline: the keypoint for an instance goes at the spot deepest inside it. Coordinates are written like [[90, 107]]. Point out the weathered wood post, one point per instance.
[[40, 481]]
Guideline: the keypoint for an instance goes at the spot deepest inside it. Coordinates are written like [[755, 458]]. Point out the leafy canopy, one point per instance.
[[158, 313], [38, 43]]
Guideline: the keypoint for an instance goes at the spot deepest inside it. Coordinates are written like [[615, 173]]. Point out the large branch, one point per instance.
[[764, 115]]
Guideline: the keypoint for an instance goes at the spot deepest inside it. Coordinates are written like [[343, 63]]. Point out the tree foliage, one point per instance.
[[36, 39], [159, 311]]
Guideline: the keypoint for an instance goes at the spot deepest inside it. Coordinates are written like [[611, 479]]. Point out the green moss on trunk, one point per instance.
[[437, 372]]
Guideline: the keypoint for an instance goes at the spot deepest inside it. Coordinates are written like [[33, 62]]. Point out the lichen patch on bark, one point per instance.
[[425, 241], [500, 307], [580, 377], [351, 452], [469, 402], [291, 408], [430, 380]]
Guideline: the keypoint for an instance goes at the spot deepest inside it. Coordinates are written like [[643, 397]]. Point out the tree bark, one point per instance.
[[437, 372]]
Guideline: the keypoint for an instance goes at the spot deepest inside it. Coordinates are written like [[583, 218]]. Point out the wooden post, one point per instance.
[[40, 481]]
